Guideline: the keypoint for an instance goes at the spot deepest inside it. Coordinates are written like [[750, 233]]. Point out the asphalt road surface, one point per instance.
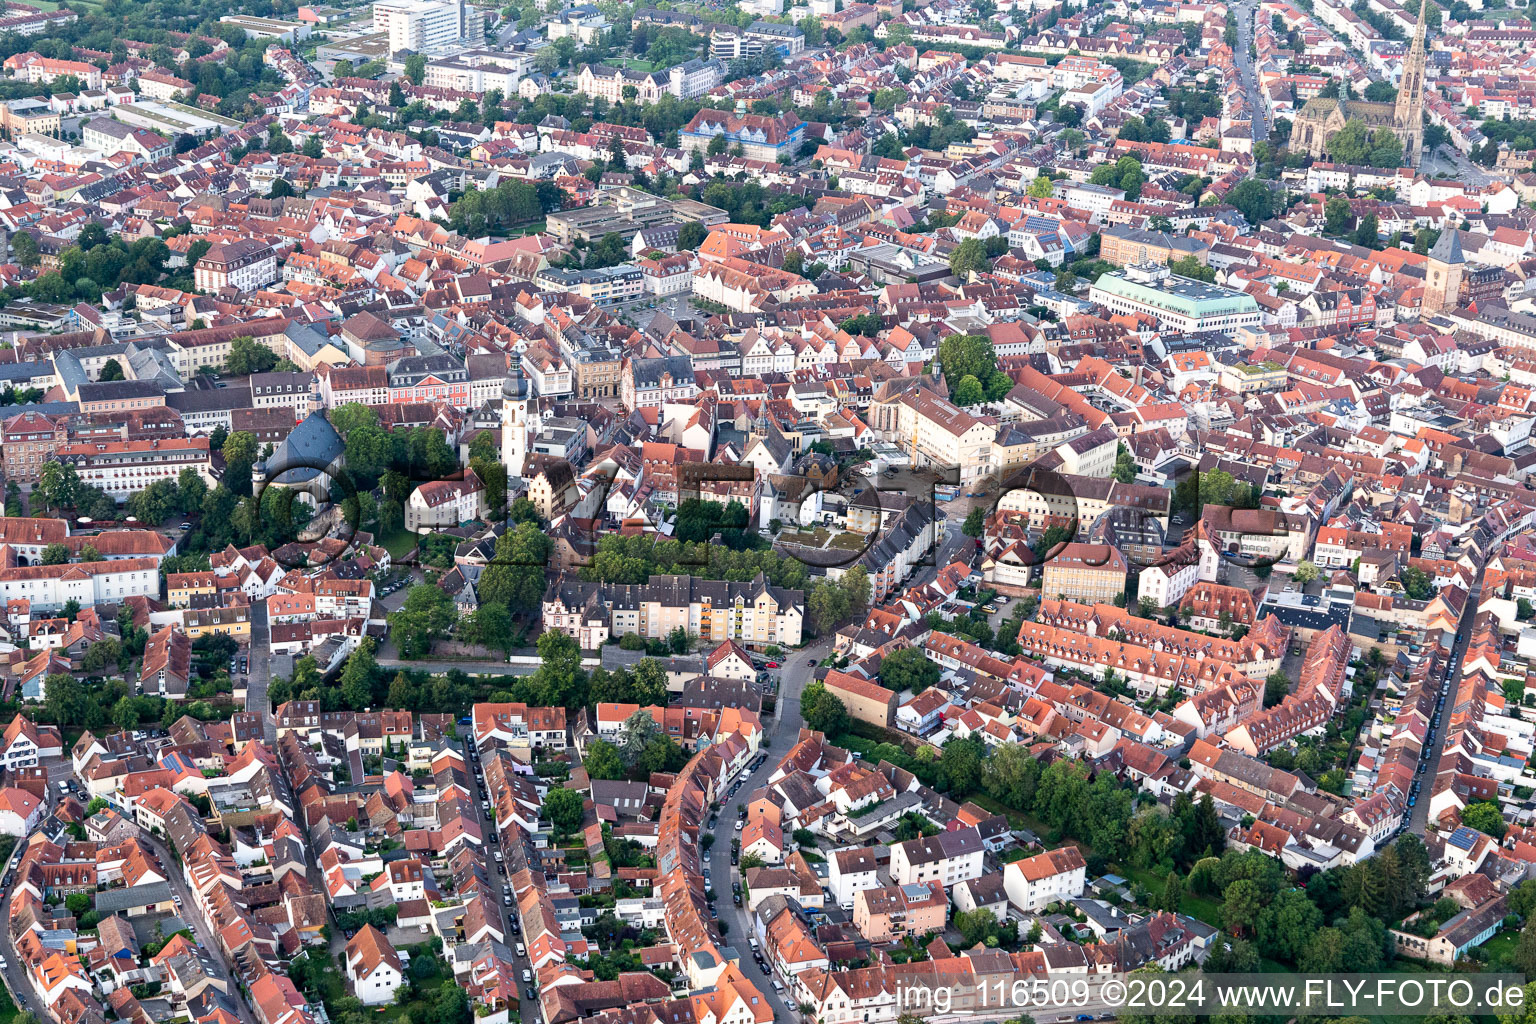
[[786, 725], [1245, 69], [1419, 813]]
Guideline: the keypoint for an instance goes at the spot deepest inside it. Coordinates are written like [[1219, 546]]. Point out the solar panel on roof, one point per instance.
[[1463, 838]]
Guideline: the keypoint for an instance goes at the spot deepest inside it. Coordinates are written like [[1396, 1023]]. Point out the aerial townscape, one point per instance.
[[728, 512]]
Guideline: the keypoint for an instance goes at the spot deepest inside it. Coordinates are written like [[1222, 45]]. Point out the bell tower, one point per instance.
[[1442, 274], [1409, 114], [514, 421]]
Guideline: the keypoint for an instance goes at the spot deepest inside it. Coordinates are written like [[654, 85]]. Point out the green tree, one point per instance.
[[426, 616], [1172, 897], [515, 576], [1368, 232], [969, 392], [111, 370], [1011, 776], [54, 554], [603, 761], [24, 245], [967, 355], [493, 627], [1486, 817], [191, 489], [1254, 199], [1277, 686], [1125, 465], [960, 765], [827, 604], [908, 670], [823, 712], [357, 678], [661, 754], [101, 656], [1242, 903], [969, 257], [975, 522], [564, 807], [1336, 215], [977, 926], [690, 236], [1041, 188], [416, 68], [240, 451], [561, 679]]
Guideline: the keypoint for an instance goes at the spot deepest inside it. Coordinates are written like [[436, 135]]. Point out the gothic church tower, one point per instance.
[[1410, 95]]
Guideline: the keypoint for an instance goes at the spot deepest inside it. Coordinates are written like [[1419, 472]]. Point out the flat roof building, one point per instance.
[[1177, 303]]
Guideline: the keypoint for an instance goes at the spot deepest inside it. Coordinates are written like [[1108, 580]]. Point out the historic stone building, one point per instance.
[[1323, 118]]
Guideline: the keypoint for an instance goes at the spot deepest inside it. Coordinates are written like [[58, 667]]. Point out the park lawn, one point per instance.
[[1201, 908], [857, 744], [399, 544], [1019, 819], [631, 63], [533, 227], [1502, 945]]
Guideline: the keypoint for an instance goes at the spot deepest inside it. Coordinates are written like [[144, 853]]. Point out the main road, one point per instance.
[[1242, 54]]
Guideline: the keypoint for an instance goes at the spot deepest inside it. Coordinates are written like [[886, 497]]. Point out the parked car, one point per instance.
[[772, 664], [739, 824]]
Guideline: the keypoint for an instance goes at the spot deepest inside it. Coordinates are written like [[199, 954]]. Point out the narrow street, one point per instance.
[[786, 725], [1244, 13], [27, 999], [1434, 738], [200, 929], [260, 676]]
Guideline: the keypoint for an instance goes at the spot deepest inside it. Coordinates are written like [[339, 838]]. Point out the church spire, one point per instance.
[[1409, 114]]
